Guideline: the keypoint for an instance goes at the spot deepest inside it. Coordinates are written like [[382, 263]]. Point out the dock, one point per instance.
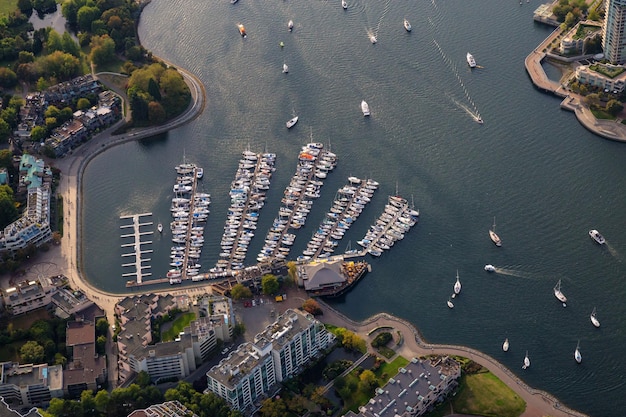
[[137, 244]]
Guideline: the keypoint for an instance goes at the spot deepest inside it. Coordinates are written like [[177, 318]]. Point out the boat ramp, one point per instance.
[[138, 221]]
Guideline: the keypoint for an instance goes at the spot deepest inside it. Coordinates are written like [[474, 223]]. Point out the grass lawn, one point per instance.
[[387, 370], [7, 6], [599, 114], [178, 325], [356, 397]]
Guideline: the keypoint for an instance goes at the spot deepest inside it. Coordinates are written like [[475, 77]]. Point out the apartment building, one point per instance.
[[30, 385], [614, 31]]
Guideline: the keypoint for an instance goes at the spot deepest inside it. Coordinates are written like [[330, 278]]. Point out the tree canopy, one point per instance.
[[269, 284]]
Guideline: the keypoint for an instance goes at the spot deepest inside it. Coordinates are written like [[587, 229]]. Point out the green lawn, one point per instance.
[[178, 325], [387, 370], [7, 6], [599, 114]]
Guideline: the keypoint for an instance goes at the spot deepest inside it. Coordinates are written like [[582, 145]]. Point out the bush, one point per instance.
[[381, 339]]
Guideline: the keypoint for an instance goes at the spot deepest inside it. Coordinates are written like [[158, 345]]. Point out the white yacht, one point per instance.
[[160, 227], [595, 235], [558, 294], [577, 356], [450, 305], [344, 4], [365, 108], [470, 60], [505, 345], [290, 25], [457, 284], [407, 25], [291, 122], [594, 319], [285, 69], [490, 268], [526, 361], [373, 38]]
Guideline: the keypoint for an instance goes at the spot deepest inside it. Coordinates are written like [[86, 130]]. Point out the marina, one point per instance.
[[247, 197], [141, 270], [314, 164]]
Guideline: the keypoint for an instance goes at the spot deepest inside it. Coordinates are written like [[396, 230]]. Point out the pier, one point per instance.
[[140, 269]]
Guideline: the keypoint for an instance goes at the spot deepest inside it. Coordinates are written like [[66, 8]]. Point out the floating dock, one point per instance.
[[137, 244]]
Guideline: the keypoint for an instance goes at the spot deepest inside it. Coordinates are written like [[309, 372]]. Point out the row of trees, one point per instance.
[[45, 341]]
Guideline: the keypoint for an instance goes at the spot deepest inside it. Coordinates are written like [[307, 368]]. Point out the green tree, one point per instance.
[[41, 330], [5, 131], [25, 57], [54, 42], [6, 158], [25, 6], [153, 89], [83, 104], [69, 45], [88, 402], [101, 342], [8, 78], [32, 352], [614, 107], [102, 49], [85, 16], [38, 134], [8, 211], [102, 327], [240, 291], [156, 113], [273, 408], [59, 359], [269, 284], [367, 380], [102, 401]]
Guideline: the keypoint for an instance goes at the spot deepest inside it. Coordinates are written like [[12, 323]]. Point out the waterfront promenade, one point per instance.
[[609, 129]]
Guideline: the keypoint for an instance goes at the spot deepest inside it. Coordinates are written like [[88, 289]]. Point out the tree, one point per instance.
[[85, 16], [38, 134], [88, 402], [311, 306], [83, 104], [153, 89], [8, 78], [240, 291], [102, 327], [32, 352], [5, 131], [156, 113], [54, 42], [6, 158], [59, 359], [143, 379], [269, 284], [25, 6], [25, 57], [102, 49], [8, 211], [273, 408], [69, 45], [101, 342], [102, 400], [367, 380], [614, 107]]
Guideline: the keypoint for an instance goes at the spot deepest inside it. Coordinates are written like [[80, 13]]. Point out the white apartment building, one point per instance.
[[279, 352], [614, 31], [28, 296]]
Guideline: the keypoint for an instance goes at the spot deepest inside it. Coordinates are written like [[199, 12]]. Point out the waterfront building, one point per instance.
[[173, 359], [30, 385], [329, 277], [252, 372], [614, 31], [28, 296], [414, 390], [586, 75], [87, 370], [574, 41]]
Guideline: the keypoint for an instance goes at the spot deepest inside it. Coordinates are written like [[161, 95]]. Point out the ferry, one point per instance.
[[471, 61], [242, 30], [365, 108]]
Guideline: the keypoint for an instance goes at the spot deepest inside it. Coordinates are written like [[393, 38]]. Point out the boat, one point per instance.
[[493, 235], [594, 319], [595, 235], [199, 173], [290, 25], [242, 30], [233, 1], [344, 4], [291, 122], [505, 345], [160, 227], [373, 39], [450, 305], [407, 25], [365, 108], [490, 268], [470, 60], [285, 69], [577, 356], [558, 294], [526, 361], [478, 119], [457, 284]]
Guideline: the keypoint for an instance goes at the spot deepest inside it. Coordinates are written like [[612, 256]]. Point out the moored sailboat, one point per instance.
[[558, 294], [493, 235], [526, 361], [505, 345], [594, 319], [577, 356], [457, 284]]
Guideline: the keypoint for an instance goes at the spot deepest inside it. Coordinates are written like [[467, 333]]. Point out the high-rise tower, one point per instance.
[[614, 31]]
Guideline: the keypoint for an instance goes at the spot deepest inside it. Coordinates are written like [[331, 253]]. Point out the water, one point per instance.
[[545, 178]]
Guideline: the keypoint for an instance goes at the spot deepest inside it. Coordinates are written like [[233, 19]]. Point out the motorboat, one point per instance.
[[490, 268], [291, 122], [478, 119], [285, 69], [594, 319], [450, 304], [470, 60], [373, 39], [577, 356], [457, 284], [493, 236], [365, 108], [199, 173], [242, 30], [290, 25], [407, 25], [526, 361], [558, 294], [344, 4], [160, 227], [595, 235], [505, 345]]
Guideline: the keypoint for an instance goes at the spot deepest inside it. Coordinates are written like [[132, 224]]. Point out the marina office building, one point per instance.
[[279, 352]]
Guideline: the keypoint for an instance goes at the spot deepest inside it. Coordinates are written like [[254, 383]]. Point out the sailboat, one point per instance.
[[492, 234], [526, 361], [577, 356], [285, 69], [450, 305], [457, 284], [505, 345], [594, 319], [558, 294], [160, 227]]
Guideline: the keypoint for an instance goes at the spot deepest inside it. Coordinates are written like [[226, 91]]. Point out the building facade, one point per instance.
[[28, 296], [30, 385], [614, 31], [279, 352]]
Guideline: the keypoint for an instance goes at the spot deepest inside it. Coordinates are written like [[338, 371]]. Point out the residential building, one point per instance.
[[30, 385], [69, 302], [87, 369], [163, 360], [167, 409], [414, 390], [6, 411], [614, 31], [253, 370], [28, 296], [585, 75], [33, 228]]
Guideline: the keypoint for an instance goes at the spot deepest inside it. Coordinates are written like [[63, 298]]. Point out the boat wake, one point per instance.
[[515, 273], [614, 253], [472, 110], [474, 115]]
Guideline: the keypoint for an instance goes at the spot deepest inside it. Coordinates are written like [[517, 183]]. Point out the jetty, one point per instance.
[[138, 251]]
